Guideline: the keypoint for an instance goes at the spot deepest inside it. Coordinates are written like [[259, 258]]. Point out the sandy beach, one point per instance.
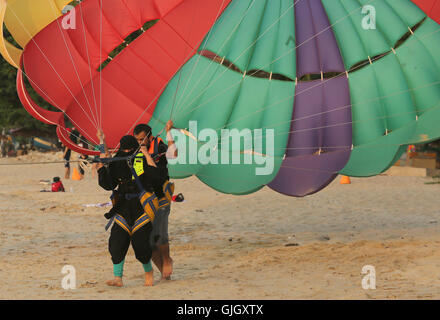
[[259, 246]]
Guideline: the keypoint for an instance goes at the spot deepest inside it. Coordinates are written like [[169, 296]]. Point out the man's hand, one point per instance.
[[144, 150], [100, 135], [150, 160], [172, 150], [169, 125]]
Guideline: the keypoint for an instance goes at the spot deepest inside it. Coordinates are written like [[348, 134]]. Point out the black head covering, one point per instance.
[[128, 143], [142, 128], [120, 169]]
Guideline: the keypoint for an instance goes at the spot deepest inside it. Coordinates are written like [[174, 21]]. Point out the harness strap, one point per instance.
[[123, 224], [168, 190], [139, 223], [150, 203], [109, 223]]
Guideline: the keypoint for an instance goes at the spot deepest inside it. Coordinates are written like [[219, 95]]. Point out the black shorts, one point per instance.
[[67, 158]]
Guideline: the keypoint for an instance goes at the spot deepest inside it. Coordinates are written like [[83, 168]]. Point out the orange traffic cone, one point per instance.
[[76, 175], [345, 180]]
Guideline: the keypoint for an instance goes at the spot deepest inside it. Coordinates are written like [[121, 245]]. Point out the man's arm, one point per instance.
[[150, 160], [102, 148], [172, 152]]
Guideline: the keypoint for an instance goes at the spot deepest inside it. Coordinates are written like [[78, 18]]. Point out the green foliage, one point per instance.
[[12, 113]]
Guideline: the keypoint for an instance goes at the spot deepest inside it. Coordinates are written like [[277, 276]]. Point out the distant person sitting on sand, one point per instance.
[[57, 185]]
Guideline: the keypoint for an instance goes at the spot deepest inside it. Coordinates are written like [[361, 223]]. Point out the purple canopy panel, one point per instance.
[[317, 48], [321, 134], [320, 138]]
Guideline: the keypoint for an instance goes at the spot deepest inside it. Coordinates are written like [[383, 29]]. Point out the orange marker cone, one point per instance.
[[345, 180], [76, 175]]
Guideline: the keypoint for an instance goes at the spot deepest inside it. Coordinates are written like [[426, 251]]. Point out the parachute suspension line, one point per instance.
[[51, 100], [249, 61], [183, 100], [340, 108], [43, 162], [357, 121], [346, 106], [77, 74], [90, 66], [180, 71], [175, 94], [386, 132], [249, 47], [204, 47], [61, 79], [156, 97], [312, 87], [226, 41], [190, 135], [100, 59], [180, 76], [287, 52]]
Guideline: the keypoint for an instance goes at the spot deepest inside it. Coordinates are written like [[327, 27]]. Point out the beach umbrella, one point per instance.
[[311, 88]]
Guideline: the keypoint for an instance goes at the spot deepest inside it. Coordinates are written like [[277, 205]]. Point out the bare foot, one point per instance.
[[167, 269], [149, 279], [116, 282]]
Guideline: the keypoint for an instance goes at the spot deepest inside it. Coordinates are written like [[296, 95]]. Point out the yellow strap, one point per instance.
[[122, 225], [150, 208], [168, 193], [138, 225]]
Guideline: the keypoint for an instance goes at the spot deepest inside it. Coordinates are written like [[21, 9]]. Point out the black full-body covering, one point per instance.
[[119, 175]]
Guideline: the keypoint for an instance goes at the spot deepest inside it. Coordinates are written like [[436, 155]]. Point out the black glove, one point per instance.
[[110, 214]]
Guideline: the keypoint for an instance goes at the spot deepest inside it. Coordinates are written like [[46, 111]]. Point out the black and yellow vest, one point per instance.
[[149, 201]]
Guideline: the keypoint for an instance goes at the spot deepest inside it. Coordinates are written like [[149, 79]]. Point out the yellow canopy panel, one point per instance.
[[24, 19]]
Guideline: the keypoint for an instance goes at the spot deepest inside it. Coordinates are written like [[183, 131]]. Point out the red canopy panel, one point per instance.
[[431, 7], [62, 64]]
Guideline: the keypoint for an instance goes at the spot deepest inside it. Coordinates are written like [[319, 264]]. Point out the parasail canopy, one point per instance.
[[313, 88]]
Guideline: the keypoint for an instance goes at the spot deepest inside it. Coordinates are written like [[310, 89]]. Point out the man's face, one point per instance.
[[142, 138]]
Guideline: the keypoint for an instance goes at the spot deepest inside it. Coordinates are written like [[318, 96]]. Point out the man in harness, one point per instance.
[[159, 151], [132, 221]]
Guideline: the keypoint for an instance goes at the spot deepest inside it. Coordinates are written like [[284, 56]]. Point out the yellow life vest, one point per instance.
[[138, 164]]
